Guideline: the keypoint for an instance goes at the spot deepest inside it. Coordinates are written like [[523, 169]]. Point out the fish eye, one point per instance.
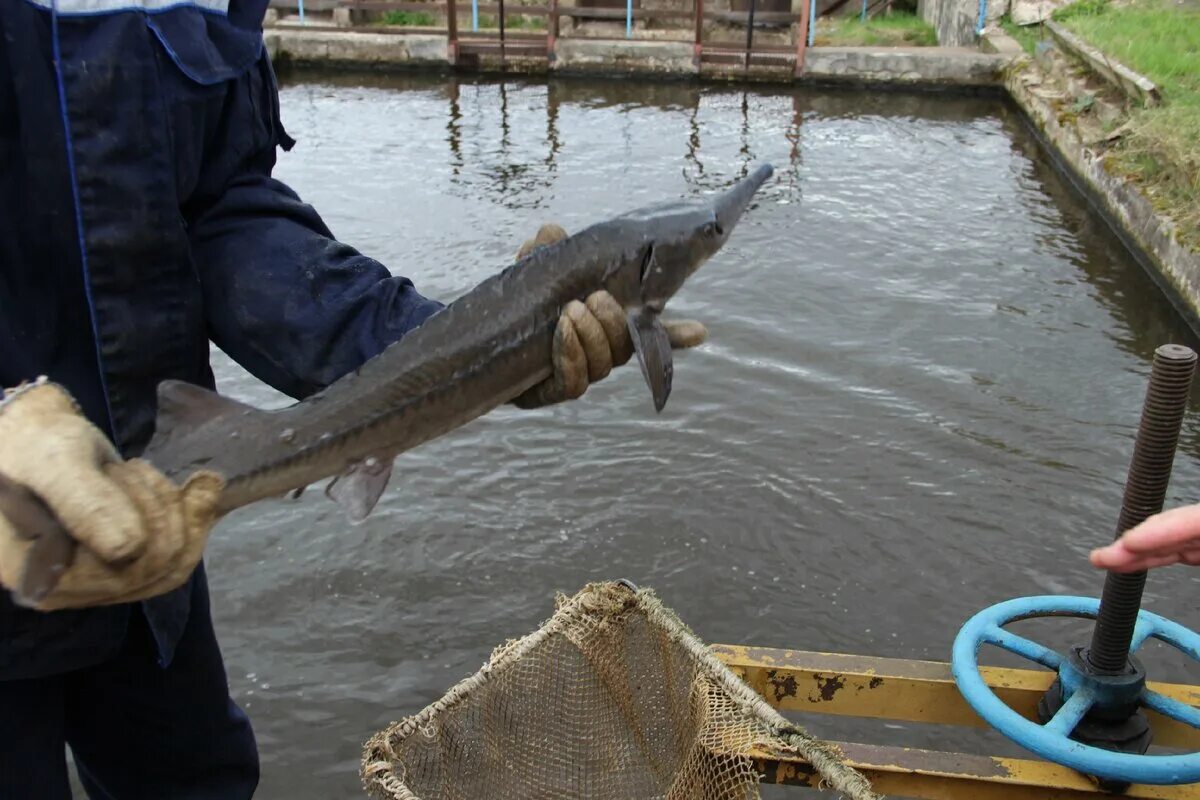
[[713, 229]]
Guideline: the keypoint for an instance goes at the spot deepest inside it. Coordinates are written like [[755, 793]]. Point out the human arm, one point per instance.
[[298, 309]]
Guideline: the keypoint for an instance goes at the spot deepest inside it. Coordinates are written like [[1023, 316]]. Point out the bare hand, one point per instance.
[[1172, 537]]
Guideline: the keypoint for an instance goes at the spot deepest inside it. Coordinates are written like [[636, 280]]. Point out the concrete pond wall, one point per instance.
[[913, 66], [1042, 88]]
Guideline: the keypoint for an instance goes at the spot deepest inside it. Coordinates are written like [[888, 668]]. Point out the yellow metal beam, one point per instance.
[[931, 775], [912, 691]]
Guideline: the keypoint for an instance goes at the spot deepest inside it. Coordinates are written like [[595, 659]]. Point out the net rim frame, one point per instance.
[[382, 771]]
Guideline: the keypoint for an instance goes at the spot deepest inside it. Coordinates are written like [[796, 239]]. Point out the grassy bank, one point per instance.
[[892, 30], [1025, 35], [1161, 150]]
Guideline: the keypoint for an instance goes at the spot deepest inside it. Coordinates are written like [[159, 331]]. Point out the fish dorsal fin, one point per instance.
[[184, 408], [189, 403], [358, 489]]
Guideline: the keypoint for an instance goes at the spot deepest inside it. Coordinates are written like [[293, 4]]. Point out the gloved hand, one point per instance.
[[591, 338], [139, 535]]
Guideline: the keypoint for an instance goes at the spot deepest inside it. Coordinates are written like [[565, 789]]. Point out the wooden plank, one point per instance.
[[435, 8], [739, 59], [759, 16], [619, 14], [483, 37], [309, 5], [496, 47], [760, 50]]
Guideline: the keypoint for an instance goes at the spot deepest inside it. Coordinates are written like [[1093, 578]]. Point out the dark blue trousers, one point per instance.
[[138, 731]]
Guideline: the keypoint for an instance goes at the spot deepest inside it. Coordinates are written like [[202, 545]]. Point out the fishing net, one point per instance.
[[612, 698]]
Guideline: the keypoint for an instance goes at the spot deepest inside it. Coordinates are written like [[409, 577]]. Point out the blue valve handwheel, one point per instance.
[[1051, 741]]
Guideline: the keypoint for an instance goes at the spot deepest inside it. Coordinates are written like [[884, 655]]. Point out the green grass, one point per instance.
[[416, 19], [1161, 40], [1025, 35], [896, 29]]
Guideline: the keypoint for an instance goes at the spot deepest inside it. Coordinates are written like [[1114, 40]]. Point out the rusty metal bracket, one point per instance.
[[909, 691], [933, 775], [925, 692]]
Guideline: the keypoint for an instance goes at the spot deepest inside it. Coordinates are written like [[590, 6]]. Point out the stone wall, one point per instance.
[[954, 20]]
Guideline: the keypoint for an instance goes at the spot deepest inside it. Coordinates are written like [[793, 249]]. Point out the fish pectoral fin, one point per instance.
[[653, 347], [359, 488]]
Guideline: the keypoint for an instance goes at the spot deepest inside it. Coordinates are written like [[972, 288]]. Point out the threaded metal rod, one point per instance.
[[1145, 491]]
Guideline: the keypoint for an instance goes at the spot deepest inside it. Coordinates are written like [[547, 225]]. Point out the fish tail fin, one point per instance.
[[653, 346], [184, 409]]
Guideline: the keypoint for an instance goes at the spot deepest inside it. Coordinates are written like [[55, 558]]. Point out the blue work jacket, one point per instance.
[[138, 221]]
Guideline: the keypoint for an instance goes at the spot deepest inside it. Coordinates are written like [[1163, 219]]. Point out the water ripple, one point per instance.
[[919, 395]]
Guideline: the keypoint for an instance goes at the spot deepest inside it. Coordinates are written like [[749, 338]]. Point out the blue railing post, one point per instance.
[[812, 21], [475, 15], [301, 12], [863, 16], [628, 19]]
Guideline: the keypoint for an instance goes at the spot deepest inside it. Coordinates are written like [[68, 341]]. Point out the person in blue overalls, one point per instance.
[[138, 221]]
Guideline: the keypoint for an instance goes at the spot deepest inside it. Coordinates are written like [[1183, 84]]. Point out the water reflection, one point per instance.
[[482, 113], [513, 178], [454, 130], [1104, 263]]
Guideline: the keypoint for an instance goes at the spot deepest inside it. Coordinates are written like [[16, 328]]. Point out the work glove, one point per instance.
[[139, 535], [591, 338]]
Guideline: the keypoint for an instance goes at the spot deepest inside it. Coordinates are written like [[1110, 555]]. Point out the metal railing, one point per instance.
[[465, 46]]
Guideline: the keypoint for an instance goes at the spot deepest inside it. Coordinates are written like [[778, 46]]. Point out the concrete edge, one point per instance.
[[1132, 84], [930, 67], [1150, 237], [1000, 43]]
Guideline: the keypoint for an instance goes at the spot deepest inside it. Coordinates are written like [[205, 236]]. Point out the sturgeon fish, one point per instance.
[[479, 352]]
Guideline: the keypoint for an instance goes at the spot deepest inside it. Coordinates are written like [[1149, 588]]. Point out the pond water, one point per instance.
[[924, 373]]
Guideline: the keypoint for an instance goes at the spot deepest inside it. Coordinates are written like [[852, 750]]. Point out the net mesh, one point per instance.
[[612, 698]]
